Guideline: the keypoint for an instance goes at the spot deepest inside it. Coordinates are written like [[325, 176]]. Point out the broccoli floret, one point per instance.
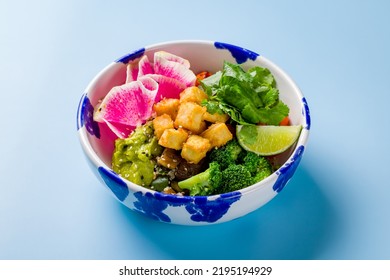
[[255, 163], [227, 154], [236, 177], [262, 174], [258, 166], [205, 183], [248, 169]]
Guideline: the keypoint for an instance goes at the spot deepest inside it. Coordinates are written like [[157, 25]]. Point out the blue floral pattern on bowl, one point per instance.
[[115, 183], [131, 56], [241, 55], [201, 209], [85, 117], [204, 210], [287, 171], [306, 113]]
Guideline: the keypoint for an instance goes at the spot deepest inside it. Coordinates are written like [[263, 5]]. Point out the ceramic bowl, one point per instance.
[[97, 141]]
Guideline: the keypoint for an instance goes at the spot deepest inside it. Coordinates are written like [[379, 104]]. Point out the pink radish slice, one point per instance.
[[174, 67], [173, 58], [144, 67], [132, 71], [128, 104], [120, 130], [167, 87], [149, 88]]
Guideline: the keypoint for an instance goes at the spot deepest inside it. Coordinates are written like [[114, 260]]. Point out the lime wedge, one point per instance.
[[267, 140]]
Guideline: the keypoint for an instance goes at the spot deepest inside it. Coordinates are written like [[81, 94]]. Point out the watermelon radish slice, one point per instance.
[[173, 58], [167, 87], [175, 67], [149, 88], [144, 67], [129, 104], [132, 71], [120, 130], [120, 105], [138, 68]]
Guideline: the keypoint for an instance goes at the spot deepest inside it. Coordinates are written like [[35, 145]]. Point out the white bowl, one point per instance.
[[97, 140]]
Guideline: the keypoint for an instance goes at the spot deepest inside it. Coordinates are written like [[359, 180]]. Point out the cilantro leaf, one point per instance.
[[212, 106]]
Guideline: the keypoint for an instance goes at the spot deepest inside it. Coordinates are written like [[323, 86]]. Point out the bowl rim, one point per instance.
[[98, 162]]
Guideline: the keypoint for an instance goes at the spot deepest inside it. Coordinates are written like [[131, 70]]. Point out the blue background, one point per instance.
[[335, 207]]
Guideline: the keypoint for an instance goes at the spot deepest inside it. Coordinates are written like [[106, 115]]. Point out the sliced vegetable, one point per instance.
[[175, 67], [132, 71], [144, 67], [120, 130], [167, 87], [129, 104]]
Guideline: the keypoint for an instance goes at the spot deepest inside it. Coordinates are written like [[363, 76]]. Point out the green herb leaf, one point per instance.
[[210, 84], [212, 106], [248, 97]]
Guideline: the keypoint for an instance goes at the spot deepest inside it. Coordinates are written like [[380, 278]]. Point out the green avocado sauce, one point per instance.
[[134, 157]]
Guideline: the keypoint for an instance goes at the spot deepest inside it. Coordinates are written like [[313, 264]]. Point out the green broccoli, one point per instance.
[[227, 154], [236, 177], [247, 169], [261, 175], [258, 166], [205, 183]]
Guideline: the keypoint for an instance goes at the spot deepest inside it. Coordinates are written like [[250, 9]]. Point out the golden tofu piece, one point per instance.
[[173, 138], [216, 117], [193, 94], [169, 158], [195, 148], [161, 123], [190, 116], [203, 126], [168, 106], [218, 134]]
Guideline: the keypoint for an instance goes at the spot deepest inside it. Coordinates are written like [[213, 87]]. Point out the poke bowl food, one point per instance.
[[193, 132]]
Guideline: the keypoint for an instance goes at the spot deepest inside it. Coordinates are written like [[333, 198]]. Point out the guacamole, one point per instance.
[[134, 157]]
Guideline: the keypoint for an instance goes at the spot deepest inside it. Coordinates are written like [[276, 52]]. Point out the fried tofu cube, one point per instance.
[[168, 106], [195, 148], [203, 126], [173, 138], [193, 94], [216, 117], [190, 116], [161, 123], [218, 134]]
